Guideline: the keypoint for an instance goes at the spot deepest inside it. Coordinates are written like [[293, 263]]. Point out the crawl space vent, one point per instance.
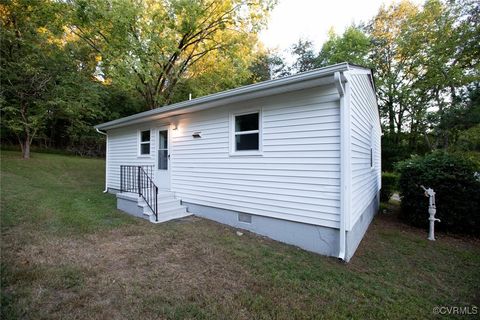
[[244, 217]]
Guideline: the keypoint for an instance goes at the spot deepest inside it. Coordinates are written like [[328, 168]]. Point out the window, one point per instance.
[[246, 133], [144, 142]]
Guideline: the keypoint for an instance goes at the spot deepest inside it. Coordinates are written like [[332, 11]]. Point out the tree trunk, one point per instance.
[[25, 143], [26, 149], [391, 116]]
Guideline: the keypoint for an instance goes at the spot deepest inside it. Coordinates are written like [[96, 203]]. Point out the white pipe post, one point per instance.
[[432, 209]]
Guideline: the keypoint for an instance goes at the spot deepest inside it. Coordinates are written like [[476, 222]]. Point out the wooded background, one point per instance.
[[68, 65]]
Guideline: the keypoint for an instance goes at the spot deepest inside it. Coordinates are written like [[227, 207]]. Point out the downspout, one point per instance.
[[344, 154], [106, 159]]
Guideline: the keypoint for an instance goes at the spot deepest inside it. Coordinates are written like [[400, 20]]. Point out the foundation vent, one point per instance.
[[245, 217]]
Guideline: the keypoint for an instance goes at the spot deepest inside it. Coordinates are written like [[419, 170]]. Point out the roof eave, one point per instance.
[[304, 80]]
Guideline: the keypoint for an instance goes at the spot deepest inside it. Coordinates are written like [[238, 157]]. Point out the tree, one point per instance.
[[306, 58], [352, 46], [268, 65], [451, 34], [152, 45], [47, 82], [28, 66], [394, 71], [423, 56]]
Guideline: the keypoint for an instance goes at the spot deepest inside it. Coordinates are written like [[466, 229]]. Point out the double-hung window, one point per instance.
[[144, 148], [246, 135]]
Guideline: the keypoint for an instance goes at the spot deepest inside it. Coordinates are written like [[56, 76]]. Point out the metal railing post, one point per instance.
[[121, 178], [146, 188], [138, 181], [156, 203]]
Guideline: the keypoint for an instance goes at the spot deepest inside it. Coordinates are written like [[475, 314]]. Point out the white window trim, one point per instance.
[[139, 143], [233, 134]]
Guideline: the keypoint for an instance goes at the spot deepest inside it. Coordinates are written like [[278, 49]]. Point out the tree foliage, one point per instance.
[[306, 58], [352, 46], [67, 65], [153, 45], [425, 61], [42, 78]]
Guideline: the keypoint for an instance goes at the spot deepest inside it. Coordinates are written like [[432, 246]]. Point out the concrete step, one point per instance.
[[162, 210], [172, 214], [128, 196], [166, 210], [161, 202], [163, 206], [168, 206], [165, 194]]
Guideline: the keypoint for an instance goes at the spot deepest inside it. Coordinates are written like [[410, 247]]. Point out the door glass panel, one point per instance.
[[162, 159], [163, 139], [163, 150]]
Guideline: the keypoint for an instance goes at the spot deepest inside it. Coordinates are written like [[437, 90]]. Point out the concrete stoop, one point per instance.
[[169, 207]]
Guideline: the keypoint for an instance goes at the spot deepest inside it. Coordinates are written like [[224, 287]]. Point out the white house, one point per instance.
[[295, 159]]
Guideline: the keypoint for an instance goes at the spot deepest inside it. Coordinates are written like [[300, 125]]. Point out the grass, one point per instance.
[[68, 253]]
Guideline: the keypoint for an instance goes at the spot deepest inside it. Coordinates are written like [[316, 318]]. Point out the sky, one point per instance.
[[312, 19]]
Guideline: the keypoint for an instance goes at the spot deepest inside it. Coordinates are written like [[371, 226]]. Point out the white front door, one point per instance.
[[162, 176]]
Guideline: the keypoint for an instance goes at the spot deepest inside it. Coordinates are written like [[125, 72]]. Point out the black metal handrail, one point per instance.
[[136, 179]]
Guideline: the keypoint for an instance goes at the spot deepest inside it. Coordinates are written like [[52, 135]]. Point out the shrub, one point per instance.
[[389, 185], [469, 140], [456, 183]]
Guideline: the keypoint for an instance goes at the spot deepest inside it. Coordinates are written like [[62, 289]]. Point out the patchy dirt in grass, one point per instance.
[[195, 268], [67, 253], [143, 260]]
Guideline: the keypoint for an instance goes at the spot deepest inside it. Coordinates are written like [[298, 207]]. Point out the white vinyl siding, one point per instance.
[[365, 138], [297, 176], [123, 149]]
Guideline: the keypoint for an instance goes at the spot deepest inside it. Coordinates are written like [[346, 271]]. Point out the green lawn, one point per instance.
[[66, 252]]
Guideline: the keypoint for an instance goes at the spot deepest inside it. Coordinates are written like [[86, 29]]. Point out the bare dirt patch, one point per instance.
[[116, 270]]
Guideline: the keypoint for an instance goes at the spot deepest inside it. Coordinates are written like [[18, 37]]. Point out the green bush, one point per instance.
[[456, 183], [389, 185], [469, 140]]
